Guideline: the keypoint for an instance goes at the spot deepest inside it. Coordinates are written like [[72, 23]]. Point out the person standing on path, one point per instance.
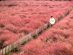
[[52, 21]]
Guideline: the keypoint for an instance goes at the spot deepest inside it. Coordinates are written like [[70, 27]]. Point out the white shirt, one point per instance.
[[52, 21]]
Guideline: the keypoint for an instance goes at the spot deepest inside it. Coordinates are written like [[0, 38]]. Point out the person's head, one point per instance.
[[51, 16]]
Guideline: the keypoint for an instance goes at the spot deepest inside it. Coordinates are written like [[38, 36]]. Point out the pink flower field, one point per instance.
[[19, 18]]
